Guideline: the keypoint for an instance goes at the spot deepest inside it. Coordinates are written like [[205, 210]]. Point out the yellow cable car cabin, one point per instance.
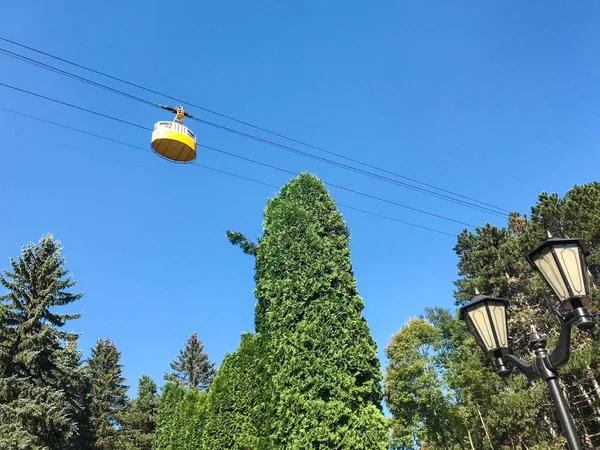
[[172, 140]]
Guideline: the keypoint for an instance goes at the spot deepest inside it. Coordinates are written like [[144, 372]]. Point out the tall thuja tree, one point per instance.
[[44, 391], [171, 396], [238, 399], [188, 421], [109, 397], [324, 373], [192, 368], [139, 419]]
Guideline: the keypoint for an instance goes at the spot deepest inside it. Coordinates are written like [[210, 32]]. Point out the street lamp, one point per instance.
[[561, 263], [486, 316]]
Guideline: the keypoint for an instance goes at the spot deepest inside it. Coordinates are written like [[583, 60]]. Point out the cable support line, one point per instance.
[[395, 220], [75, 77], [74, 106], [259, 139], [217, 170], [351, 168], [248, 159], [338, 186], [486, 208]]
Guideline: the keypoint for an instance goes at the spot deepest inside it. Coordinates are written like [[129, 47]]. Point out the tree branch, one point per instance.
[[248, 247]]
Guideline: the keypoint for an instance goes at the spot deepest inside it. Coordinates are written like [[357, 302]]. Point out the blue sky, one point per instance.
[[496, 100]]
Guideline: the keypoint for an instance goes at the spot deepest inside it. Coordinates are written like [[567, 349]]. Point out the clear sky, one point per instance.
[[497, 100]]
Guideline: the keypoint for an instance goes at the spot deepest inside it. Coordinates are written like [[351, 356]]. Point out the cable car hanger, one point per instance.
[[179, 112]]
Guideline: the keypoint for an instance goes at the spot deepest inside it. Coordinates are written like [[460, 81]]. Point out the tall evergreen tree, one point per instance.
[[109, 397], [192, 368], [238, 399], [172, 394], [139, 420], [189, 421], [321, 359], [44, 390]]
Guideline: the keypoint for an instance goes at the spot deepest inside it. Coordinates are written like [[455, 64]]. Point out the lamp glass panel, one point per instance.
[[481, 321], [546, 264], [570, 260], [498, 313]]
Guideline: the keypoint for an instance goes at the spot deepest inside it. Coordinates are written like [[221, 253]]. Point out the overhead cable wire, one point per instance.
[[336, 186], [121, 80], [354, 169], [259, 139], [486, 208], [115, 141], [25, 91], [267, 165]]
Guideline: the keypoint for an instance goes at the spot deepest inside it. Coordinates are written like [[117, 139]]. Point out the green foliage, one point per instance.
[[109, 398], [139, 420], [172, 393], [188, 421], [44, 391], [502, 413], [322, 362], [238, 399], [415, 392], [243, 242], [192, 368], [308, 378], [180, 419]]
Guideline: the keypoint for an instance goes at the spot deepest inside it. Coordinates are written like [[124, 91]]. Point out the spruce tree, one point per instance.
[[139, 420], [44, 391], [109, 397], [192, 368], [321, 359]]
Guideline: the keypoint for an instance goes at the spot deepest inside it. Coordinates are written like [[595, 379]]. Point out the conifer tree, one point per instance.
[[321, 359], [109, 397], [192, 368], [172, 394], [139, 420], [238, 399], [189, 421], [44, 391]]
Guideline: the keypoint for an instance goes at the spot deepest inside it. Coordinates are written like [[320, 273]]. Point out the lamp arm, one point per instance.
[[526, 368], [561, 353]]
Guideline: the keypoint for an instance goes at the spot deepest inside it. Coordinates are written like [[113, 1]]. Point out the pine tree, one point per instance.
[[109, 397], [139, 420], [321, 359], [192, 368], [44, 391]]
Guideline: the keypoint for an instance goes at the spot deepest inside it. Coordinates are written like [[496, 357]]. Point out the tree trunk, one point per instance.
[[470, 439], [484, 426]]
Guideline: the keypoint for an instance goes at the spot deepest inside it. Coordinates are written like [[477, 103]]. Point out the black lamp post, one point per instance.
[[561, 263]]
